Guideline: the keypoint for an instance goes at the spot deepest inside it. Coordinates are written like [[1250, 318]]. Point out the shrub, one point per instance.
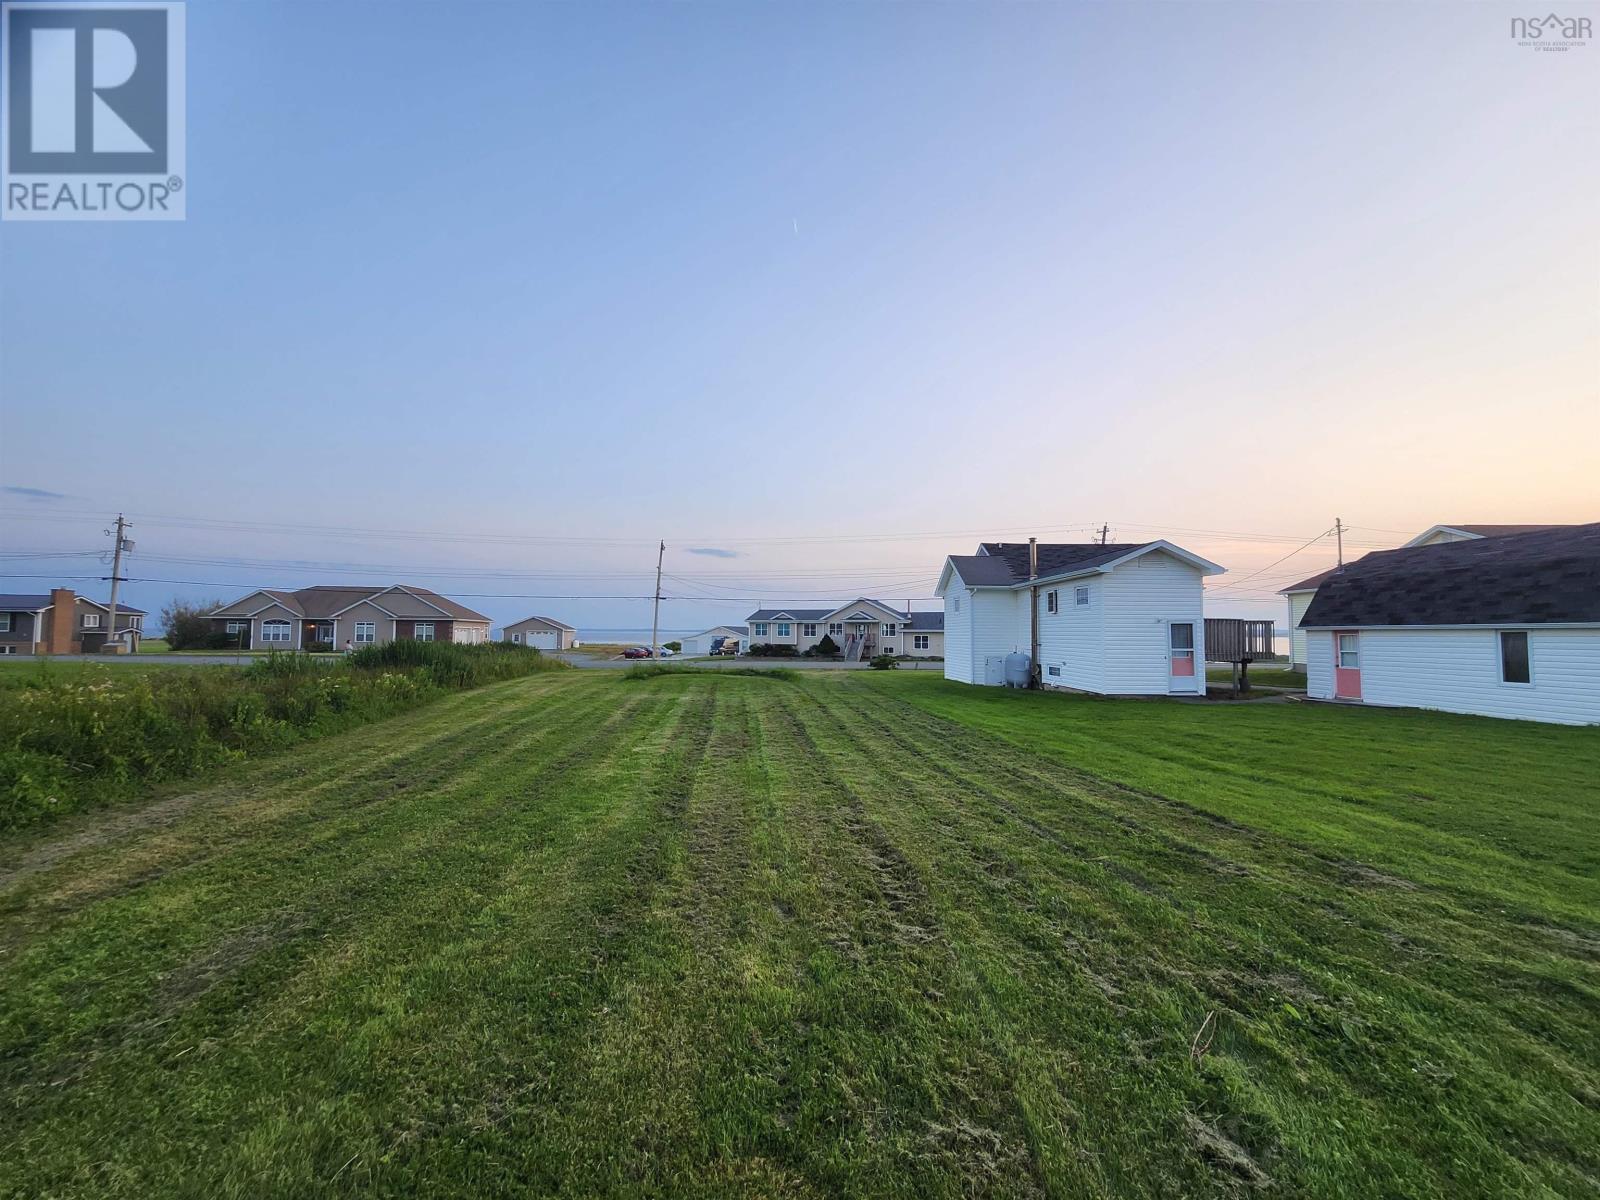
[[884, 662], [675, 647], [766, 650], [827, 645], [186, 625], [656, 670]]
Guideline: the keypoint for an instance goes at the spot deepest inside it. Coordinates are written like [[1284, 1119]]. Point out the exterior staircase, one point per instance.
[[854, 645]]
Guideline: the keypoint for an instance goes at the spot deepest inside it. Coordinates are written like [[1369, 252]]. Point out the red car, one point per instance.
[[636, 652]]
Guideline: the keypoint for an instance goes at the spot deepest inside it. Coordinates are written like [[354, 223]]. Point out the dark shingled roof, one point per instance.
[[33, 602], [1550, 576], [1055, 558], [925, 622]]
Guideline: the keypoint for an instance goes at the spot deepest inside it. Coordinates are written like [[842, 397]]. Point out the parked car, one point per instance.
[[667, 652], [636, 652], [726, 646]]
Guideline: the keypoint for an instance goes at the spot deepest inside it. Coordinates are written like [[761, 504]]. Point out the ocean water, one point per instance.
[[635, 637]]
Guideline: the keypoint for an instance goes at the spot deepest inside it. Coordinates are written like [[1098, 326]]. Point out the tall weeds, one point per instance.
[[66, 743]]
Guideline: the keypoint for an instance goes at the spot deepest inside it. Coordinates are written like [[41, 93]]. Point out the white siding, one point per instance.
[[1298, 603], [1073, 638], [1458, 670], [958, 635], [1319, 664], [995, 622], [1142, 598]]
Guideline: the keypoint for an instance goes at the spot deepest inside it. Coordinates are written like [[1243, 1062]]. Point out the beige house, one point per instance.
[[542, 633], [335, 616], [861, 629]]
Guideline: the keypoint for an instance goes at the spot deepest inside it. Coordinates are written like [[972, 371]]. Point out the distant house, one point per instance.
[[1299, 594], [701, 643], [542, 633], [332, 615], [1507, 626], [63, 622], [1120, 620], [861, 629]]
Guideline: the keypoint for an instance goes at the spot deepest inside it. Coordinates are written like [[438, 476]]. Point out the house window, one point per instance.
[[808, 630], [274, 631], [785, 629], [8, 649], [1054, 670], [237, 626], [135, 622], [366, 633], [836, 629], [890, 629], [1514, 665], [919, 641], [759, 629], [517, 638], [1052, 601], [423, 631], [1080, 597], [1349, 655], [5, 622], [91, 620], [955, 603]]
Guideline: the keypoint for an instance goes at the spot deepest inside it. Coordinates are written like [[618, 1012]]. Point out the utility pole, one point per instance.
[[1105, 532], [655, 615], [110, 644], [1338, 532]]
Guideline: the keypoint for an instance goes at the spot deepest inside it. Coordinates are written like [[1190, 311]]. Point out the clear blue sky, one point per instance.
[[736, 273]]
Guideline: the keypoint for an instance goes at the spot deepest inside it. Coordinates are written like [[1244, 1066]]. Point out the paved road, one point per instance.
[[590, 662]]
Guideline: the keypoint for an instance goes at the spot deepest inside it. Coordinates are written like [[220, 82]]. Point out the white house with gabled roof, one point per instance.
[[1118, 620], [861, 629]]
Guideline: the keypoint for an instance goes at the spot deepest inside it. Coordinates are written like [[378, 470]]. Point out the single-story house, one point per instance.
[[861, 629], [701, 643], [542, 633], [63, 622], [336, 615], [1119, 620], [1299, 594], [1502, 627]]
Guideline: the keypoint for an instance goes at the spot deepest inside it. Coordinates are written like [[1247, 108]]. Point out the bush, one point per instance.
[[764, 650], [67, 744], [675, 647], [186, 625], [884, 662], [656, 670], [827, 645]]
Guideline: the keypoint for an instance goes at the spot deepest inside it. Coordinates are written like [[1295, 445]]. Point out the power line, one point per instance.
[[1240, 582]]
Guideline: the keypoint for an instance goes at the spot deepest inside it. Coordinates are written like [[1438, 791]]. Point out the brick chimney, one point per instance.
[[60, 623]]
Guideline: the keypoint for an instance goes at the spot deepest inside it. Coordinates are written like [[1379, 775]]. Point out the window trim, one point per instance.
[[890, 629], [416, 631], [1527, 656], [5, 622], [919, 641], [785, 628], [1052, 601], [372, 633], [272, 625], [240, 626], [91, 621], [835, 628], [1339, 651], [759, 629], [1080, 597], [808, 629]]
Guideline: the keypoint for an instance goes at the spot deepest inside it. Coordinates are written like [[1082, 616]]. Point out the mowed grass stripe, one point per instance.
[[247, 956], [1339, 939]]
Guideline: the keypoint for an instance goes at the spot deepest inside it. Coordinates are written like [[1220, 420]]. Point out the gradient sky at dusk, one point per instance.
[[737, 275]]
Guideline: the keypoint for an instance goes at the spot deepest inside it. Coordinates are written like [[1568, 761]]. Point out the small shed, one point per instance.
[[542, 633]]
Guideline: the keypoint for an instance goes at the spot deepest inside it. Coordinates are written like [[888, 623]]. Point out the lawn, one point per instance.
[[1284, 677], [849, 933]]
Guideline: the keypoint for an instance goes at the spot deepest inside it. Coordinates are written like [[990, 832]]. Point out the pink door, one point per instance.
[[1180, 657], [1347, 666]]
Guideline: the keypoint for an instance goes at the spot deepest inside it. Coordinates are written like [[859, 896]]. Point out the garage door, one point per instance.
[[544, 639]]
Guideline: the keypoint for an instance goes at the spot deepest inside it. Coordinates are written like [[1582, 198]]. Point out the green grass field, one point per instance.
[[1285, 677], [23, 670], [853, 933]]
